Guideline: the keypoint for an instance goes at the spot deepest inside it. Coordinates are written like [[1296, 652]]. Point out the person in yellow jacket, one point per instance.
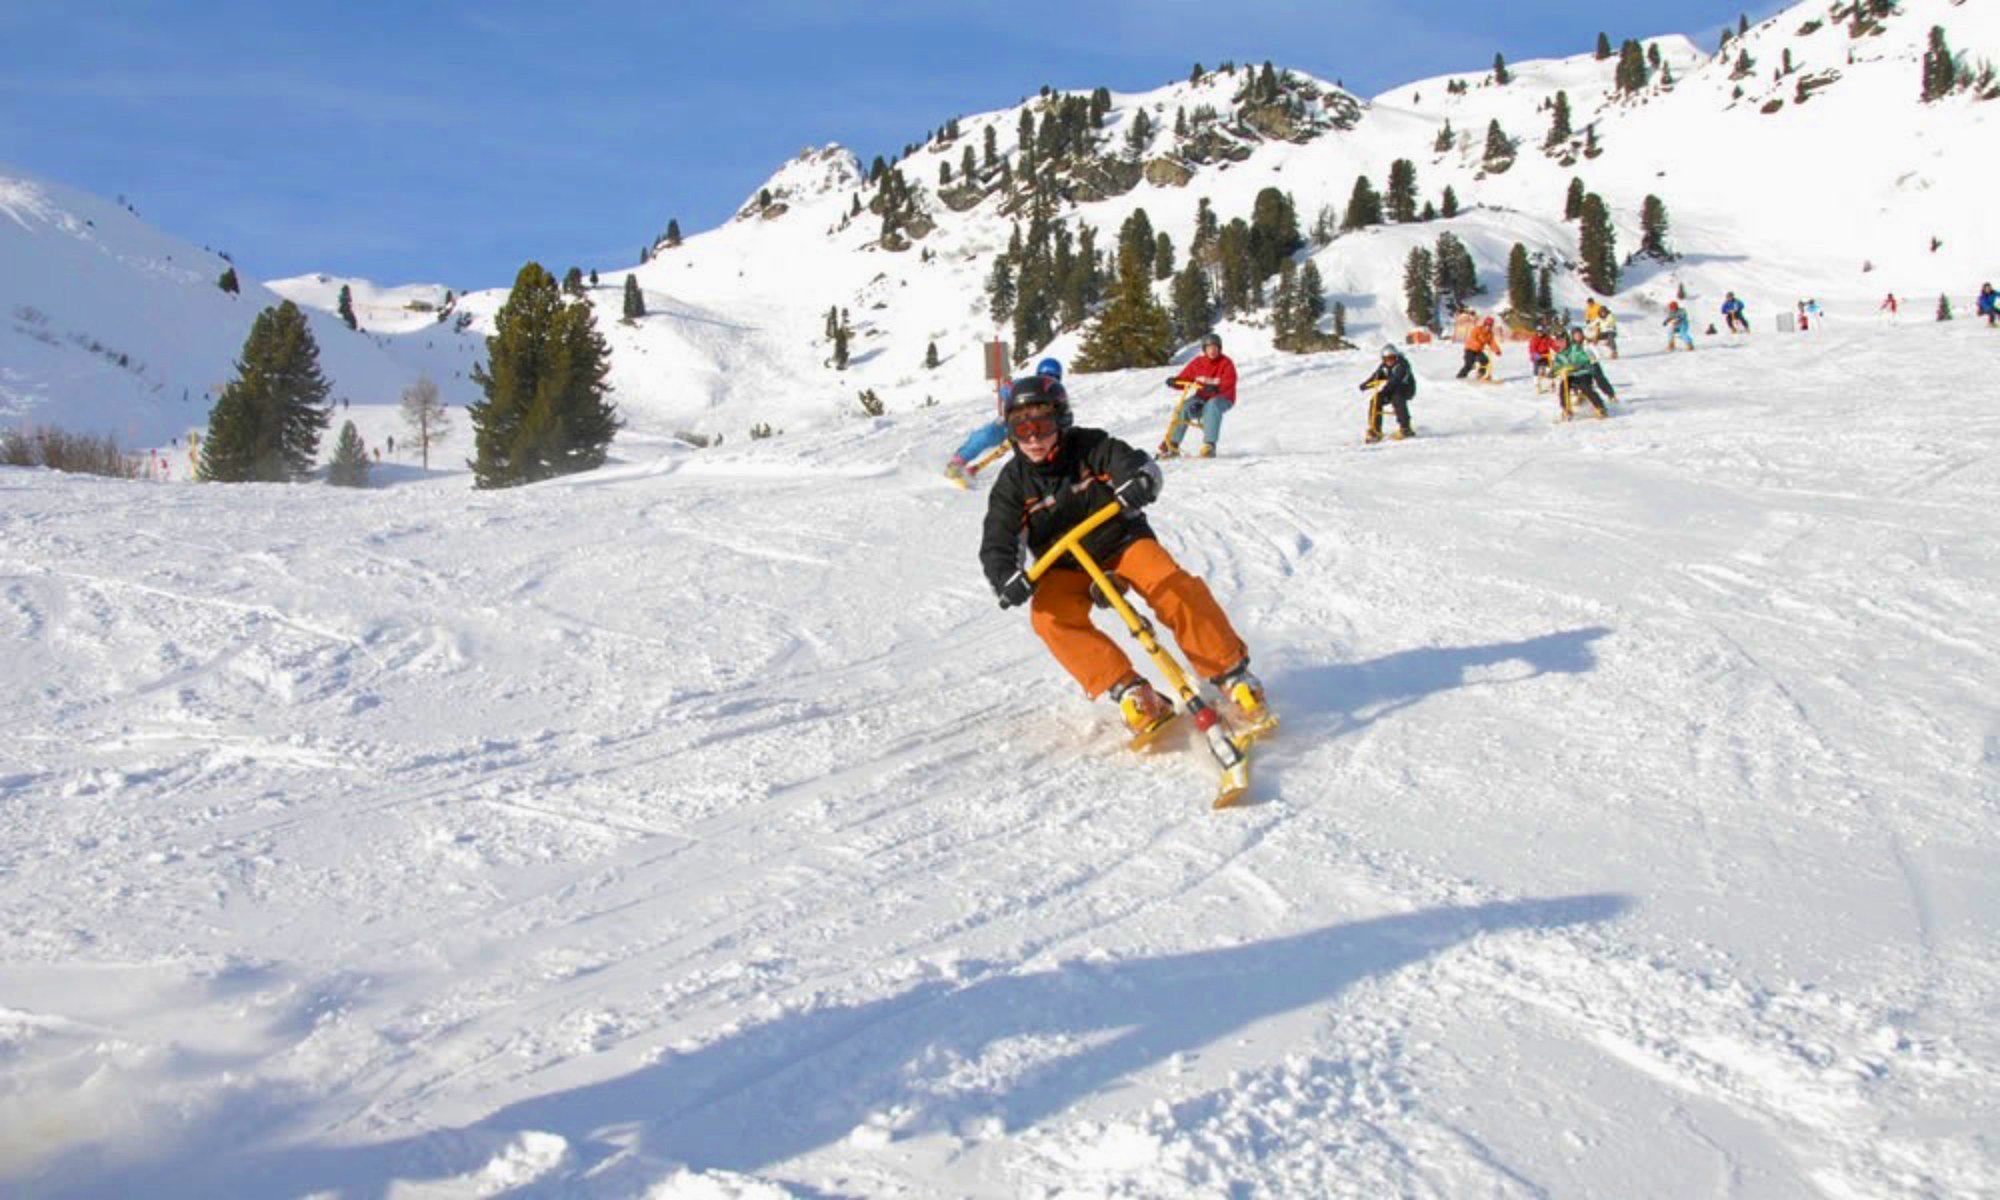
[[1601, 326]]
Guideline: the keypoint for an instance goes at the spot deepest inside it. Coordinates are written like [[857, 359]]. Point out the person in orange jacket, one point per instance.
[[1214, 379], [1477, 343]]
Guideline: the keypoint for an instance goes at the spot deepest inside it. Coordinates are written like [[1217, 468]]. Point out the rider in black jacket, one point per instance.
[[1058, 476]]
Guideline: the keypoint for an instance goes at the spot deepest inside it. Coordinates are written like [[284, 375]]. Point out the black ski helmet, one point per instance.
[[1031, 390], [1212, 339]]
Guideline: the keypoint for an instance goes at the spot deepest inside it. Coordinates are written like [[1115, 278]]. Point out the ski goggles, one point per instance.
[[1033, 427]]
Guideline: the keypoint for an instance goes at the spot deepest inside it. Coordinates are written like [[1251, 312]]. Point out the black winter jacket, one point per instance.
[[1400, 383], [1034, 504]]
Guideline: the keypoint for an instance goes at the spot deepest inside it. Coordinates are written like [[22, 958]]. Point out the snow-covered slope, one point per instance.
[[698, 827]]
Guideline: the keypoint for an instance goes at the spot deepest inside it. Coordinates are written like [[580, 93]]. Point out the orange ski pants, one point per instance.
[[1061, 615]]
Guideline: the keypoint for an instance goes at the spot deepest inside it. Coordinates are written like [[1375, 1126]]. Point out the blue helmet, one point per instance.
[[1049, 367]]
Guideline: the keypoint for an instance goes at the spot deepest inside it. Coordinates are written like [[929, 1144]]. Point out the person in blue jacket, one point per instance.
[[965, 462], [1732, 313], [1677, 317], [1989, 304]]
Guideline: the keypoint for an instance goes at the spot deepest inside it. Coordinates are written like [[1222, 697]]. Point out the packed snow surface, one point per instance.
[[699, 827]]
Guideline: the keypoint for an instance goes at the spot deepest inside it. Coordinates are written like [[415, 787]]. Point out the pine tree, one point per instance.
[[227, 281], [1559, 130], [425, 415], [1135, 240], [1194, 306], [1207, 230], [1742, 24], [1597, 246], [572, 284], [1653, 56], [1573, 201], [1132, 330], [1401, 201], [266, 425], [1000, 290], [635, 300], [345, 307], [673, 231], [840, 347], [1944, 307], [1631, 74], [1443, 140], [1239, 276], [1545, 301], [1274, 232], [1340, 320], [593, 277], [931, 357], [1653, 229], [1449, 205], [1499, 149], [546, 411], [1457, 276], [1364, 205], [349, 467], [1500, 75], [1419, 300], [1163, 257], [1520, 283], [1940, 68], [1603, 47]]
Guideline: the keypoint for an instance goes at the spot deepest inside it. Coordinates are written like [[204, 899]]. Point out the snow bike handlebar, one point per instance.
[[1070, 542]]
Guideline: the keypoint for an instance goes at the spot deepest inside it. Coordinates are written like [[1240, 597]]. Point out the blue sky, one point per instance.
[[449, 142]]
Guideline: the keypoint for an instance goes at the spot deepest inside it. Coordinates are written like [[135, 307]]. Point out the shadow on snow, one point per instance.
[[1015, 1048]]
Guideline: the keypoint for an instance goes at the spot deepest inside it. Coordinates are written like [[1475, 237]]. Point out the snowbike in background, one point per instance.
[[963, 475], [1177, 423], [1230, 746]]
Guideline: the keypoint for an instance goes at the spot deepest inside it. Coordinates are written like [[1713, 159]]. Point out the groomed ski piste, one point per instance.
[[699, 827]]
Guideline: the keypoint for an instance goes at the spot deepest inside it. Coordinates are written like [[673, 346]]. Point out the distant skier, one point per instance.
[[1732, 314], [1601, 325], [1889, 306], [1058, 476], [1477, 343], [1585, 374], [966, 462], [1541, 348], [1398, 386], [1678, 331], [1214, 377], [1989, 305]]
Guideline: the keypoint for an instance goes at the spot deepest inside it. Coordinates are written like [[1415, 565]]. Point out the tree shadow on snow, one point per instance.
[[1357, 695], [943, 1056]]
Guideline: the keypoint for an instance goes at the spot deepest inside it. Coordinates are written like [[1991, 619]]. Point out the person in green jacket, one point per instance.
[[1585, 374]]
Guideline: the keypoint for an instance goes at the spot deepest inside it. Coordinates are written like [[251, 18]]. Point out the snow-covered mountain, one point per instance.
[[1830, 180]]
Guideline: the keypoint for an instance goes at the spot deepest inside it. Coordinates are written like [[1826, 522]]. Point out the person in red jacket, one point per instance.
[[1541, 348], [1214, 379]]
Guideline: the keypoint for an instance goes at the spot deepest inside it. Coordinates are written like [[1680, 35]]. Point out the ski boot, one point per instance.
[[956, 472], [1147, 714], [1402, 435], [1167, 450], [1246, 693], [1372, 437], [1207, 450]]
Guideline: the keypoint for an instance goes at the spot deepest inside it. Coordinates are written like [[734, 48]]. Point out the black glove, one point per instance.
[[1137, 492], [1174, 382], [1016, 590]]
